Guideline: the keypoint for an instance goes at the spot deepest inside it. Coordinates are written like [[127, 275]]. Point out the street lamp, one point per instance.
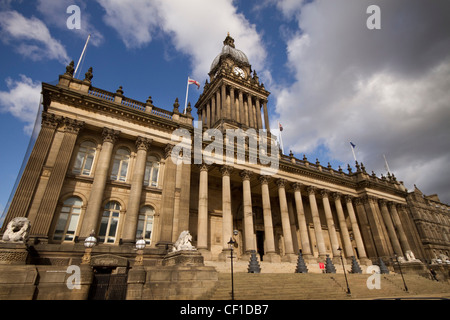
[[400, 268], [231, 244], [343, 268], [89, 243], [140, 246]]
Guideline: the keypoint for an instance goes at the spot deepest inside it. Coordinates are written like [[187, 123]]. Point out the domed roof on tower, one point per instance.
[[229, 49]]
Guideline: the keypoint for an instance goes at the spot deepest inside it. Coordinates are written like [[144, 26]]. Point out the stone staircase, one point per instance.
[[316, 286]]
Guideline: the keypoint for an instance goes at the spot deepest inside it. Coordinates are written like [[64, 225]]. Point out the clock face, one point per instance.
[[239, 72]]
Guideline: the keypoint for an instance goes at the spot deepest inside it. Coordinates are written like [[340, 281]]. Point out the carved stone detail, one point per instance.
[[110, 135]]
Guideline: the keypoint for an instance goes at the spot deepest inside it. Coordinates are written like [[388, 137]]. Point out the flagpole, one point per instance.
[[82, 54], [387, 166], [281, 139], [353, 151], [187, 92]]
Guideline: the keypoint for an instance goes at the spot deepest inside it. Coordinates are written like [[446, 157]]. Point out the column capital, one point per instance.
[[50, 120], [281, 183], [382, 202], [296, 186], [264, 179], [72, 125], [226, 170], [245, 174], [110, 135], [311, 190], [168, 150], [348, 198], [203, 166], [143, 143], [358, 201], [336, 196], [324, 193]]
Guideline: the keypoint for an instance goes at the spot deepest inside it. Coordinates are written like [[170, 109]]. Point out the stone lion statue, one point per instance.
[[183, 242], [17, 230]]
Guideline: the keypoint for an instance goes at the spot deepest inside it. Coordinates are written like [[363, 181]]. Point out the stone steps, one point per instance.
[[315, 286]]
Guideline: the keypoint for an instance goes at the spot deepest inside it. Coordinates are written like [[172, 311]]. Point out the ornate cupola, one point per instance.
[[233, 97]]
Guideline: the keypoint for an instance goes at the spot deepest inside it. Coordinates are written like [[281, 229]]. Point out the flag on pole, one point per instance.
[[190, 81], [281, 139], [353, 150]]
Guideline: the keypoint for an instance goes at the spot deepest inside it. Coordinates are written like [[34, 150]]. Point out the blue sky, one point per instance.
[[332, 80]]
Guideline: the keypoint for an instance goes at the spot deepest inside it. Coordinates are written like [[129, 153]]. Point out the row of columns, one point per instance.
[[93, 210], [390, 217], [231, 103]]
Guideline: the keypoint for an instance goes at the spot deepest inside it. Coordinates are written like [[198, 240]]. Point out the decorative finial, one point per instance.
[[88, 75], [175, 106], [70, 68]]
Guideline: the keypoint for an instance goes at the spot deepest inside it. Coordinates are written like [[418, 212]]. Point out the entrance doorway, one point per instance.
[[260, 244], [108, 284]]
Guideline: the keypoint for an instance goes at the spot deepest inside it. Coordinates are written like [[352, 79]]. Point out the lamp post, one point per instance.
[[343, 268], [89, 243], [231, 244], [140, 246], [400, 268]]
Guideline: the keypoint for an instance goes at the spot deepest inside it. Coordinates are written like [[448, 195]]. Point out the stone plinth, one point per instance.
[[13, 253], [183, 258]]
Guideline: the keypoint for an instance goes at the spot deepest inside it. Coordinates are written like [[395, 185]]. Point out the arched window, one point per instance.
[[151, 172], [145, 224], [120, 165], [85, 158], [109, 223], [68, 219]]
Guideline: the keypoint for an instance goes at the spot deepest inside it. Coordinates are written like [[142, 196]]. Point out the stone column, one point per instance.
[[208, 115], [232, 105], [366, 232], [241, 108], [398, 225], [24, 193], [47, 207], [375, 226], [258, 114], [266, 116], [165, 237], [248, 212], [250, 111], [225, 110], [218, 106], [348, 250], [268, 225], [330, 223], [303, 228], [202, 224], [134, 200], [227, 218], [390, 228], [91, 216], [355, 228], [213, 111], [316, 221], [289, 248]]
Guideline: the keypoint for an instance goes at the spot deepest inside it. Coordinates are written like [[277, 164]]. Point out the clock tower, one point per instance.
[[233, 97]]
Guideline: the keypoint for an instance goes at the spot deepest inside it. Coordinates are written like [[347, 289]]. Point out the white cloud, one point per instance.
[[31, 37], [22, 100], [386, 90], [55, 13], [196, 28]]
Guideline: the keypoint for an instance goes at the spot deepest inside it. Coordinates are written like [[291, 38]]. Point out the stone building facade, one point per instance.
[[104, 165]]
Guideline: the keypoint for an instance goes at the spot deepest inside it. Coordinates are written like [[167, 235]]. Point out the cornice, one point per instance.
[[91, 103]]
